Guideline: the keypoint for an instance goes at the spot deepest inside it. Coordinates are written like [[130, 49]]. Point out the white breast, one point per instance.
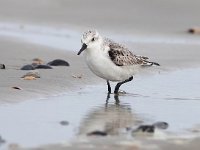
[[100, 64]]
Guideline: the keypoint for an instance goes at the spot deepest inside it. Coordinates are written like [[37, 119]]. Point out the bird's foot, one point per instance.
[[120, 92]]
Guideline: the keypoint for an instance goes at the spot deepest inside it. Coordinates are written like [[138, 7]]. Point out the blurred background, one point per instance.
[[127, 16]]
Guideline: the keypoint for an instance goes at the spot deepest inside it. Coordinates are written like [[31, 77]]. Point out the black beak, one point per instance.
[[84, 46]]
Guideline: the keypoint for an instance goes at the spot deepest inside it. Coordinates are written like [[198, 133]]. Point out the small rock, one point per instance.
[[43, 67], [150, 129], [2, 66], [161, 125], [77, 76], [28, 67], [16, 88], [194, 30], [32, 74], [2, 141], [58, 62], [146, 128], [37, 61], [64, 123], [14, 146], [97, 133], [29, 78]]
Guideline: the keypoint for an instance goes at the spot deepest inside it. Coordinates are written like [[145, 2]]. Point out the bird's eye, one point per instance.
[[92, 40]]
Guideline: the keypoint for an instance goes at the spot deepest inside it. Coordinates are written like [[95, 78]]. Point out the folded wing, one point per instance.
[[121, 56]]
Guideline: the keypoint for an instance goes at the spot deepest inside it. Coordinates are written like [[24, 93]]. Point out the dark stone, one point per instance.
[[28, 67], [64, 123], [58, 62], [150, 129], [34, 64], [161, 125], [2, 66], [43, 67], [2, 141], [16, 88], [191, 30], [146, 128], [97, 133]]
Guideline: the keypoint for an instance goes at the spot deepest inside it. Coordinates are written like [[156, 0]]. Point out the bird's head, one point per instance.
[[90, 39]]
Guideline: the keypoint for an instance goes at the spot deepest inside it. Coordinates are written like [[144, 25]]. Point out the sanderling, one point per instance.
[[110, 60]]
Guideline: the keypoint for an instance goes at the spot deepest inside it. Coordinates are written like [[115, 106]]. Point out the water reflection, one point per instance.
[[112, 118]]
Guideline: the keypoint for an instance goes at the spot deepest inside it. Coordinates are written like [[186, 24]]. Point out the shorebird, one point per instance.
[[111, 60]]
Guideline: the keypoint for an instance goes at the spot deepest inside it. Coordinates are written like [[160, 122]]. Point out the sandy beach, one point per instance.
[[157, 29], [52, 82]]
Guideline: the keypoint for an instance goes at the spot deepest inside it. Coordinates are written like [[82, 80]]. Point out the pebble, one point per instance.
[[43, 67], [150, 128], [32, 74], [35, 66], [161, 125], [64, 123], [14, 146], [2, 141], [58, 62], [146, 128], [29, 78], [38, 61], [28, 67], [77, 76], [2, 66], [194, 30], [16, 88], [38, 64], [97, 133]]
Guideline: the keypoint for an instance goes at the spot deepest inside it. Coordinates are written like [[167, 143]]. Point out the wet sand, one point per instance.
[[142, 19], [53, 82]]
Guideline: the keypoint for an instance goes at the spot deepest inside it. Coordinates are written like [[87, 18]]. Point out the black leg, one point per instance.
[[109, 88], [120, 83]]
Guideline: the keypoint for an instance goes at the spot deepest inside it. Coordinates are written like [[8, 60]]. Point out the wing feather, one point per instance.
[[121, 56]]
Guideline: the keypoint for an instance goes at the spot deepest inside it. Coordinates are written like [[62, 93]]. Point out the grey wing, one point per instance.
[[121, 56]]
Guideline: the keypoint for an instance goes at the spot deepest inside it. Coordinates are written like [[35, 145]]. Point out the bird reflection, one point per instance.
[[116, 97], [110, 118]]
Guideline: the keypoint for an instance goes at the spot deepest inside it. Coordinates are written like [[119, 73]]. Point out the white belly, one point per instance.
[[103, 67]]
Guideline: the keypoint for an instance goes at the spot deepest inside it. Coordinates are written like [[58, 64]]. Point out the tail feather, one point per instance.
[[144, 61], [148, 63], [155, 63]]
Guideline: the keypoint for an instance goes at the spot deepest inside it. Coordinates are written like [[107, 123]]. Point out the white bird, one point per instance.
[[110, 60]]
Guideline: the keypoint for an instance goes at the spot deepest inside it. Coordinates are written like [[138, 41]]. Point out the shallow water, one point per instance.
[[171, 97]]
